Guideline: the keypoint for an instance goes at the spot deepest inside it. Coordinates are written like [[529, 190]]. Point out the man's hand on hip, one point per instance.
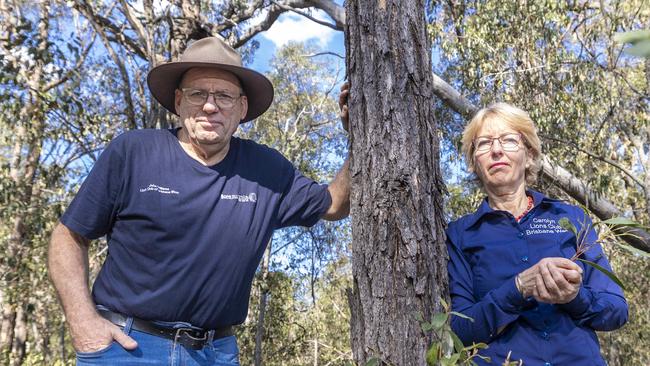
[[97, 333]]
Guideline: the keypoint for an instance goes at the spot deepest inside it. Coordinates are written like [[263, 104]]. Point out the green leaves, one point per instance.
[[582, 246], [447, 348], [462, 316], [374, 361], [568, 225], [617, 221], [607, 273], [439, 320], [619, 229], [639, 40]]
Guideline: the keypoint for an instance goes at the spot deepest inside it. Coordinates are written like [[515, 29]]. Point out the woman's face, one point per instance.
[[500, 156]]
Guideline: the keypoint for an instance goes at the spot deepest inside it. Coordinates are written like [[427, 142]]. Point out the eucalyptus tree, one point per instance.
[[40, 113], [399, 254]]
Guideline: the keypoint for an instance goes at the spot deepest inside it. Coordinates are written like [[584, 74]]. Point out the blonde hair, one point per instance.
[[513, 117]]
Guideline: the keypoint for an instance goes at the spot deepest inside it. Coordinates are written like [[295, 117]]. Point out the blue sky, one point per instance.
[[291, 27]]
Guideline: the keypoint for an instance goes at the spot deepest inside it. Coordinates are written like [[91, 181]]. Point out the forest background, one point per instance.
[[72, 76]]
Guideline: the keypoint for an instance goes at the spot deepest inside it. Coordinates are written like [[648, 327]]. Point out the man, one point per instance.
[[187, 213]]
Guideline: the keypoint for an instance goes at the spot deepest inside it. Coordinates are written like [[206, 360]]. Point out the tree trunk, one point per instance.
[[62, 342], [264, 292], [28, 140], [20, 338], [7, 328], [41, 331], [399, 255]]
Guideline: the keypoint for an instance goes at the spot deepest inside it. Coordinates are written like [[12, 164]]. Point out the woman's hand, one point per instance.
[[551, 280]]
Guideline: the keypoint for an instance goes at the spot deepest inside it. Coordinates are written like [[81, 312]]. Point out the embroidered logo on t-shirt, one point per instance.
[[251, 197], [159, 189]]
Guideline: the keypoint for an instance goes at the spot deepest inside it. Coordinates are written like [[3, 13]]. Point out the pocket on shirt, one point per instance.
[[566, 243], [493, 262]]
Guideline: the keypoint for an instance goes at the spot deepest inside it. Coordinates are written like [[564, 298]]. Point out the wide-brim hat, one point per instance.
[[211, 52]]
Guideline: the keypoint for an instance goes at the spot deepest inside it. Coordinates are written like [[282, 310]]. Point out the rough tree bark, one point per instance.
[[399, 256]]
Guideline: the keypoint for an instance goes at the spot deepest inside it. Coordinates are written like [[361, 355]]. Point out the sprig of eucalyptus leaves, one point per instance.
[[615, 229]]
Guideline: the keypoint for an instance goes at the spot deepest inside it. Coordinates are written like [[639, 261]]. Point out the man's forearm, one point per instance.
[[68, 269], [339, 190]]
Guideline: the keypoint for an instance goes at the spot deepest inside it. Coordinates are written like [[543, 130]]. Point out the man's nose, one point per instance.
[[210, 104]]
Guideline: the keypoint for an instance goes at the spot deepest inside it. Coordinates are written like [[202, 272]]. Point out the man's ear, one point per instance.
[[178, 96], [244, 107]]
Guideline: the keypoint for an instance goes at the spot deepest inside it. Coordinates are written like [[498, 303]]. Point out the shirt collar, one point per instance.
[[484, 209]]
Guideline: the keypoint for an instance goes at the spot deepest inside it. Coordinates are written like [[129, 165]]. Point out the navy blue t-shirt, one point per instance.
[[184, 239]]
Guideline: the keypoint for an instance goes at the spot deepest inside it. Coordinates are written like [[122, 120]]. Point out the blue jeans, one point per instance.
[[154, 350]]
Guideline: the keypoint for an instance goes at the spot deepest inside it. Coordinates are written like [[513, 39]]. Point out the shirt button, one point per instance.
[[520, 235], [548, 364], [524, 258], [545, 335]]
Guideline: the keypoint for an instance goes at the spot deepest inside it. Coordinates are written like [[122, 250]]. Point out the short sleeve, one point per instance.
[[303, 201], [92, 212]]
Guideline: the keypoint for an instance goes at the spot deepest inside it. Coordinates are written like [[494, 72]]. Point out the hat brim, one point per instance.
[[163, 81]]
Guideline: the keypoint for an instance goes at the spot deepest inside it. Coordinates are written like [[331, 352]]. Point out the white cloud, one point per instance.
[[159, 6], [294, 27]]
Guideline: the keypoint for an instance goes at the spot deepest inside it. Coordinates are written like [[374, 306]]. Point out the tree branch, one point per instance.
[[602, 208], [130, 110], [232, 18], [288, 8], [54, 83], [135, 24], [86, 9], [271, 17], [335, 11], [603, 159], [324, 54]]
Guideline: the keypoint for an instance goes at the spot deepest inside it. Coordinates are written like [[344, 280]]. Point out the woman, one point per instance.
[[508, 267]]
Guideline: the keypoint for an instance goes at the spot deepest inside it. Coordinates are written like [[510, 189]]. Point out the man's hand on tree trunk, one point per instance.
[[343, 105]]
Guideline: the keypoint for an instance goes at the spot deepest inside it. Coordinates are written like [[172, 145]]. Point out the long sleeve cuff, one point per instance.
[[580, 304], [508, 297]]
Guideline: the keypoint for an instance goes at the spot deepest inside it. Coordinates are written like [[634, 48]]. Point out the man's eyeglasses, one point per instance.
[[199, 97], [508, 142]]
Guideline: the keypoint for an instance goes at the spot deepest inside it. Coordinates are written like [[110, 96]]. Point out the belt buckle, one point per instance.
[[184, 336]]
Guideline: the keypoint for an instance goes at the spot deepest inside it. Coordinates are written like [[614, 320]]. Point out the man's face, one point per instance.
[[207, 122]]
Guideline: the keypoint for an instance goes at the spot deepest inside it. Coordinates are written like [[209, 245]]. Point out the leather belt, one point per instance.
[[189, 337]]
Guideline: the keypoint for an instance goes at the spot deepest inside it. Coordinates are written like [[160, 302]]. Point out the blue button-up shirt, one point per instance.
[[488, 248]]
